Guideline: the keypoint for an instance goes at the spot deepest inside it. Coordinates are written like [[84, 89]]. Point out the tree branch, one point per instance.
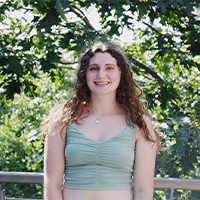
[[155, 75], [67, 63], [157, 31], [83, 17], [148, 70]]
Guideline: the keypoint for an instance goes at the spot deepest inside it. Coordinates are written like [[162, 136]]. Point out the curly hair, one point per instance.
[[128, 93]]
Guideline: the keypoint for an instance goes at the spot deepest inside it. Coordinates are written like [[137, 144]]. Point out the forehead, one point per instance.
[[102, 58]]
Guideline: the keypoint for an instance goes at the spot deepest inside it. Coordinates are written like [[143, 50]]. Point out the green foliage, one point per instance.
[[20, 120], [38, 55]]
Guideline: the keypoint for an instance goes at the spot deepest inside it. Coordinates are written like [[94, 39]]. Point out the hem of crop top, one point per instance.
[[102, 187]]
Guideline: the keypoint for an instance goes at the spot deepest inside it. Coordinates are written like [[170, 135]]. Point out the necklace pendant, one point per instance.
[[97, 120]]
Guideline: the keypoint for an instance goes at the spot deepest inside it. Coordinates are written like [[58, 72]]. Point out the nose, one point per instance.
[[101, 73]]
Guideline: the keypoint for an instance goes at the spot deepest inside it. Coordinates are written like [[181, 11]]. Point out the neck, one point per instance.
[[102, 105]]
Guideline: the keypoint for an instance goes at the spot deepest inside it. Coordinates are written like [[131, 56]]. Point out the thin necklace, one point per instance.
[[97, 120]]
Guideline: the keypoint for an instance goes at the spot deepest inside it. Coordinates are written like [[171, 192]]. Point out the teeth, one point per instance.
[[102, 83]]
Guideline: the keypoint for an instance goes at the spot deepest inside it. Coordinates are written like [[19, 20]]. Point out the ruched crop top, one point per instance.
[[104, 165]]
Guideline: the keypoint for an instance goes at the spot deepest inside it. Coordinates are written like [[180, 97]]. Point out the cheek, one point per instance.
[[89, 77]]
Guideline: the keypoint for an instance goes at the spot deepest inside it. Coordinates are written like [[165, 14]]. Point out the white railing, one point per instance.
[[37, 178]]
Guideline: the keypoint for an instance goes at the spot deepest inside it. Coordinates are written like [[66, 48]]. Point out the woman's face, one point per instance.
[[103, 74]]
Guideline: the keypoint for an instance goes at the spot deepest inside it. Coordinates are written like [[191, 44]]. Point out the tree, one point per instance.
[[164, 56]]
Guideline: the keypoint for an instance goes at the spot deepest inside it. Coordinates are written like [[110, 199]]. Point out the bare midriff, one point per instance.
[[82, 194]]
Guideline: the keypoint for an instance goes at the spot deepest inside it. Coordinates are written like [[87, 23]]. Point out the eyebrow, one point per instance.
[[94, 64]]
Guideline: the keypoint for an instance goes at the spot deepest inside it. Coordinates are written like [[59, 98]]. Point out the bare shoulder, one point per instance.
[[57, 131], [139, 131], [54, 124]]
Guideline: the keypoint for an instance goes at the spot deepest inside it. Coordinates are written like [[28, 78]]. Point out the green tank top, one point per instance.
[[104, 165]]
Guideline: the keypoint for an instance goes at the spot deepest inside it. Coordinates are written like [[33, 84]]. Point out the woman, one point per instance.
[[102, 136]]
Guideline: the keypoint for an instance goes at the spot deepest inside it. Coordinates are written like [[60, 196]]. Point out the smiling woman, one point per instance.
[[102, 136]]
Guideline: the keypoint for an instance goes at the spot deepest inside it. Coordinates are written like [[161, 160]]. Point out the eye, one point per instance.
[[93, 68], [110, 68]]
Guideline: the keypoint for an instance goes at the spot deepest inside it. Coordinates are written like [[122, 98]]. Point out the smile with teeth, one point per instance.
[[101, 83]]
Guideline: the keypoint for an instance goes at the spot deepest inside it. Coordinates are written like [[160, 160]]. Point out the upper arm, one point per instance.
[[144, 161], [54, 158]]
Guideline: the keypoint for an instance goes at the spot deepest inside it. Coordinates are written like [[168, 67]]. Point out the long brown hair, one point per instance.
[[128, 93]]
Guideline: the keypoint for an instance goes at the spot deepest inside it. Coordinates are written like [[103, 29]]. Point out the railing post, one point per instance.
[[2, 196], [171, 193]]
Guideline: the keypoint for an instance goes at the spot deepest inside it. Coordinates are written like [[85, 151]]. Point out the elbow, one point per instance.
[[52, 182], [146, 194], [52, 191]]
